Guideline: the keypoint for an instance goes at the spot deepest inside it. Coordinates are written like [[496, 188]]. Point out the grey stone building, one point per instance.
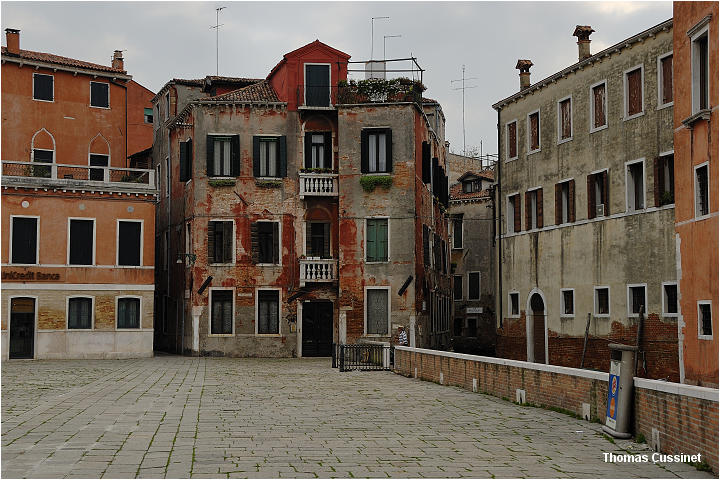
[[586, 208]]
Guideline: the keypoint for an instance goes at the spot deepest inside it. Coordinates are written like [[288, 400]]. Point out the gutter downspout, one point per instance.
[[498, 199]]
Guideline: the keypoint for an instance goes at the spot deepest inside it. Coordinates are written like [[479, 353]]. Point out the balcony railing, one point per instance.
[[84, 176], [318, 185], [380, 91], [318, 270]]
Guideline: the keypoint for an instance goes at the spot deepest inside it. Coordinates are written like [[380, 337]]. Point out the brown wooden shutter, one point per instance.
[[667, 73], [539, 203], [528, 212], [516, 221], [512, 140], [634, 86], [255, 242], [276, 242], [211, 242], [227, 242], [591, 196], [558, 203], [571, 201], [606, 192]]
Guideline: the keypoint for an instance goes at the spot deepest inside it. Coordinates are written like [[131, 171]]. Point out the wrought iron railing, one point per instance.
[[324, 97], [362, 356]]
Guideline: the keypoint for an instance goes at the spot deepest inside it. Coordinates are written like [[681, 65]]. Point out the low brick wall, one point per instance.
[[685, 416]]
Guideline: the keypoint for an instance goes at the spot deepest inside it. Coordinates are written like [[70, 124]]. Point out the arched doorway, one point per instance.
[[536, 327]]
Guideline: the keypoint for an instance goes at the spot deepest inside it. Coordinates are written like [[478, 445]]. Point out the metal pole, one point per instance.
[[641, 318], [587, 331], [385, 37], [372, 35]]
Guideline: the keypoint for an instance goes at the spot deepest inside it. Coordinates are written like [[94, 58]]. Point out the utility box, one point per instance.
[[620, 390]]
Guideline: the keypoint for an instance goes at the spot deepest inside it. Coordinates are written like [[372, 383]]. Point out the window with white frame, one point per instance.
[[318, 150], [700, 70], [376, 150], [101, 161], [376, 241], [702, 190], [513, 213], [635, 185], [377, 311], [43, 87], [128, 312], [568, 302], [514, 304], [148, 115], [223, 155], [705, 327], [129, 244], [665, 80], [221, 241], [268, 312], [634, 103], [565, 202], [80, 313], [100, 94], [512, 145], [665, 179], [564, 119], [267, 156], [602, 302], [265, 240], [670, 299], [24, 240], [82, 241], [533, 132], [40, 155], [458, 288], [457, 224], [637, 299], [533, 209], [221, 312], [474, 286], [598, 106]]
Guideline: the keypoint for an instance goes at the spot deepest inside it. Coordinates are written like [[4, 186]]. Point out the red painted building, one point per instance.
[[296, 211]]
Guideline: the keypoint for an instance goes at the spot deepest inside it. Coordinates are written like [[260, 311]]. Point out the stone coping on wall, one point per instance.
[[704, 393]]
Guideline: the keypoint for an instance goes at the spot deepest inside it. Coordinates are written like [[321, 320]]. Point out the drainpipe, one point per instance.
[[499, 202]]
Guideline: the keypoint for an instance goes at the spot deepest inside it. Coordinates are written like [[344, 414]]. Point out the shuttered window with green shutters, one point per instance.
[[265, 238], [376, 150], [220, 242], [223, 155], [377, 240], [269, 157], [268, 312]]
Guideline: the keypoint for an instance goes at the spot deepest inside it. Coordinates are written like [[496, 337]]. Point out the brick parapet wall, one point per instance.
[[686, 417]]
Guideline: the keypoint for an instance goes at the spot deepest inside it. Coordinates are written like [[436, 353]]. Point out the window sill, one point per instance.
[[276, 335], [625, 119], [376, 262], [376, 335], [221, 335], [703, 217], [567, 315], [670, 315], [80, 329], [41, 100], [511, 159], [532, 152], [127, 329], [101, 108], [602, 315], [665, 105], [705, 337], [513, 316], [598, 129], [268, 264], [376, 174], [564, 140], [703, 114], [221, 264]]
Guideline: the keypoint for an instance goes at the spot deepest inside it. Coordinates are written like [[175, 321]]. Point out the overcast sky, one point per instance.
[[163, 40]]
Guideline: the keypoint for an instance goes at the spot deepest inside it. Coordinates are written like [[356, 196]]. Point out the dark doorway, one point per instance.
[[22, 327], [317, 85], [317, 329], [538, 318]]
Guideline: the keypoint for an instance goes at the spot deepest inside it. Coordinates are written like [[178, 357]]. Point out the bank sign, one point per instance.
[[613, 389]]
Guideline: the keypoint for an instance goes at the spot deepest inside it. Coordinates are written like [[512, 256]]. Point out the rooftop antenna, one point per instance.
[[385, 37], [372, 34], [217, 38], [463, 88]]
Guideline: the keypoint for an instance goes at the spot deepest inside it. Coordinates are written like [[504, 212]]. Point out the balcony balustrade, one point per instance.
[[318, 270], [318, 185]]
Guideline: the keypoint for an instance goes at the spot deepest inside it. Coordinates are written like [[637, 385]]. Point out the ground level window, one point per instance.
[[128, 313], [377, 311], [514, 304], [221, 321], [80, 313], [568, 302], [268, 312]]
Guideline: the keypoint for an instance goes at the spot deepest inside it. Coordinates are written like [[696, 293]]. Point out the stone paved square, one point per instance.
[[181, 417]]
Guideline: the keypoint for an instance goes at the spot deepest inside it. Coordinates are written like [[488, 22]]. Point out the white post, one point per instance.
[[342, 328], [196, 312], [298, 328], [412, 331]]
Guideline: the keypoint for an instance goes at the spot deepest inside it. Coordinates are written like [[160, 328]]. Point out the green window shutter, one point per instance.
[[364, 151], [235, 156], [382, 240], [227, 242], [371, 243], [211, 242], [255, 242], [388, 149], [256, 156], [308, 150], [210, 154], [328, 150], [282, 154]]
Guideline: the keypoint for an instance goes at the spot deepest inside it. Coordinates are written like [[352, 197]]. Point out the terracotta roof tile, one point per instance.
[[456, 193], [58, 60], [259, 92]]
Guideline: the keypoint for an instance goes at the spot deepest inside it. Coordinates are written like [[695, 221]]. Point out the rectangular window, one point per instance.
[[474, 286], [426, 163], [80, 311], [128, 313], [637, 299], [99, 160], [635, 186], [565, 119], [377, 240], [701, 191], [633, 92], [82, 239], [268, 312], [665, 80], [318, 239], [597, 194], [148, 115], [186, 160], [377, 311], [602, 301], [513, 214], [269, 158], [43, 87], [534, 132], [458, 288], [705, 328], [266, 242], [223, 155], [376, 150], [514, 304], [598, 107], [167, 105], [565, 202], [533, 209], [512, 140], [472, 327], [24, 240], [220, 242], [42, 156], [458, 232], [318, 150], [100, 94], [221, 315], [568, 302], [700, 72], [670, 300], [129, 243], [664, 180]]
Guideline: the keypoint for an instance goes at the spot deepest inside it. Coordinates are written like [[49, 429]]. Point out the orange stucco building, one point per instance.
[[695, 92], [78, 225]]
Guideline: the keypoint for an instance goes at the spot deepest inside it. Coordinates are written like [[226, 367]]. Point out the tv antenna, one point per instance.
[[385, 37], [217, 38], [463, 88], [372, 34]]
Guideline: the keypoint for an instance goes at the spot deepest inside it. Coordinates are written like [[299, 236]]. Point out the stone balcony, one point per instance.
[[316, 270], [318, 185]]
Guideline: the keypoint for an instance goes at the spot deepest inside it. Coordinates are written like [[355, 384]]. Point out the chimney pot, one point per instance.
[[524, 67], [117, 61], [12, 36], [583, 32]]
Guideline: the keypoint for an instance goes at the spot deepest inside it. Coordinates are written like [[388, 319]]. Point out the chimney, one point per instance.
[[12, 35], [524, 67], [117, 62], [583, 32]]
